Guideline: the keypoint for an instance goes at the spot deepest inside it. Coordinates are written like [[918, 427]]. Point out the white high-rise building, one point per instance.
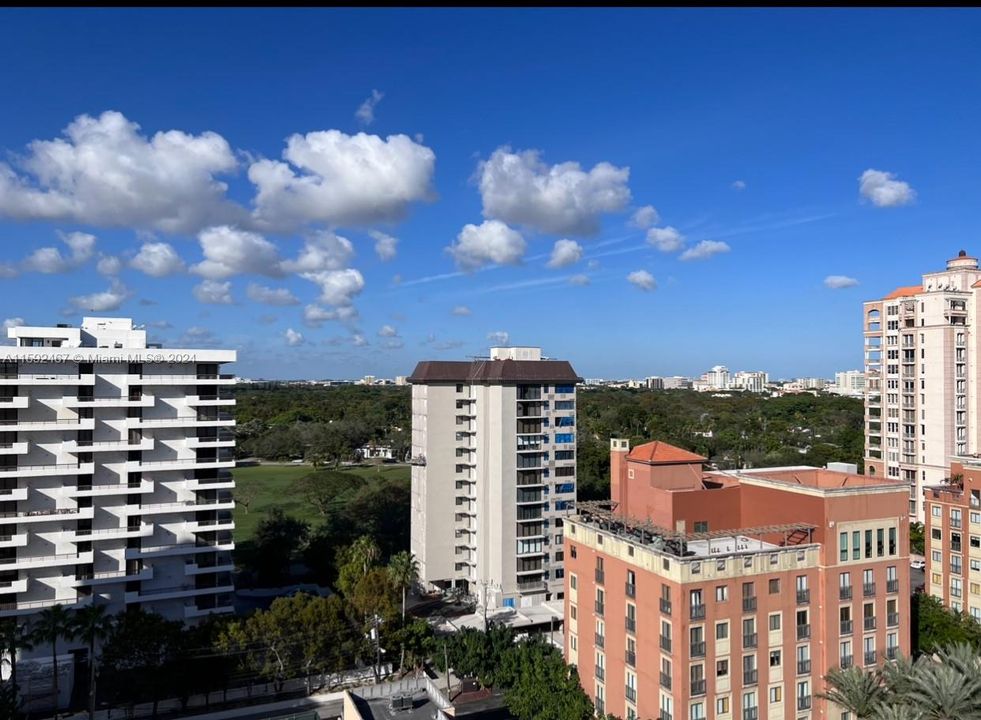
[[849, 382], [751, 381], [494, 473], [115, 474], [717, 378], [922, 395]]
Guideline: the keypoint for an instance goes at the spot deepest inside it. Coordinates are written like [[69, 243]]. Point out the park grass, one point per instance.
[[274, 485]]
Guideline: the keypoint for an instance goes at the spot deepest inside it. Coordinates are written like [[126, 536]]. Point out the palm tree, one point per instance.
[[898, 678], [365, 551], [898, 712], [403, 568], [14, 636], [92, 625], [52, 624], [943, 692], [855, 690]]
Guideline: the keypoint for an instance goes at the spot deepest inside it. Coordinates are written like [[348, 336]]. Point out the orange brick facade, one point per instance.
[[729, 595]]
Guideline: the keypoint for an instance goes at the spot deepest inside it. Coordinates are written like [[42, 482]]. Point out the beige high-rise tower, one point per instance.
[[921, 368], [494, 474]]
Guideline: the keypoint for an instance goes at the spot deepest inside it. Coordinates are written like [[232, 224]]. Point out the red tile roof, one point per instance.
[[658, 452], [904, 292]]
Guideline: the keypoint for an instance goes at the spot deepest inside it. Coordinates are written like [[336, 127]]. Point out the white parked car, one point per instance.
[[917, 564]]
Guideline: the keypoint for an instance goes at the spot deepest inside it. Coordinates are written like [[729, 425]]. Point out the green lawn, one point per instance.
[[274, 483]]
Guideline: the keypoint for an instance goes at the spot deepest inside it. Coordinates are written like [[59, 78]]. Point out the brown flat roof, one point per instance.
[[821, 478], [494, 371]]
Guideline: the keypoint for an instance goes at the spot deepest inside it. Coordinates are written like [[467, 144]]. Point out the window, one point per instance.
[[775, 584], [842, 546], [868, 544], [775, 658], [776, 694], [722, 593], [880, 544], [722, 705], [856, 545], [721, 668], [572, 550], [697, 711], [722, 631], [775, 621], [572, 611], [935, 510], [572, 581], [892, 541]]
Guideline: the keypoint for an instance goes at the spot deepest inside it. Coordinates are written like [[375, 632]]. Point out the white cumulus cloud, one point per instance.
[[337, 287], [644, 217], [520, 189], [386, 246], [580, 280], [213, 292], [884, 190], [109, 265], [293, 338], [230, 251], [50, 260], [13, 322], [358, 340], [837, 282], [342, 179], [322, 250], [316, 315], [461, 311], [499, 338], [366, 111], [666, 239], [388, 331], [565, 253], [105, 172], [705, 249], [490, 242], [157, 259], [105, 301], [642, 279], [271, 296], [739, 185]]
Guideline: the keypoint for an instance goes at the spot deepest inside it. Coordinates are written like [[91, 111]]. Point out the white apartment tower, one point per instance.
[[494, 473], [922, 394], [115, 473]]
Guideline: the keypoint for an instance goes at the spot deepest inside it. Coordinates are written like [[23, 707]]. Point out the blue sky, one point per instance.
[[209, 173]]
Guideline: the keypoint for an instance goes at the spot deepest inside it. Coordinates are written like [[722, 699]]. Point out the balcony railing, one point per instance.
[[665, 681], [846, 661], [749, 604], [697, 687], [749, 641], [803, 702], [803, 667], [803, 597], [600, 640], [665, 643], [600, 576], [845, 592], [665, 606], [869, 623], [892, 620], [892, 586], [631, 590], [698, 649], [845, 627], [750, 677], [698, 612], [631, 693], [630, 658], [868, 589], [600, 673], [598, 607], [630, 624], [803, 631], [870, 657], [892, 653], [751, 713]]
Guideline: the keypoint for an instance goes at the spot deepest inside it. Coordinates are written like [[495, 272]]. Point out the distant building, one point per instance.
[[750, 381], [922, 394], [401, 380], [717, 378], [849, 382], [494, 474], [655, 383], [708, 594], [376, 452], [677, 383], [367, 380]]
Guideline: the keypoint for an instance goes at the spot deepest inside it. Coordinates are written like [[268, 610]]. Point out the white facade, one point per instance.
[[717, 378], [493, 454], [849, 382], [750, 381], [115, 473], [922, 396]]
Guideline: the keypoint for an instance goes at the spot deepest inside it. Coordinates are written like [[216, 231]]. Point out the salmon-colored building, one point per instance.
[[952, 534], [699, 594]]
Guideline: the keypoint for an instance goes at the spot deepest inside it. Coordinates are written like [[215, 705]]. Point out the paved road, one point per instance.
[[916, 579]]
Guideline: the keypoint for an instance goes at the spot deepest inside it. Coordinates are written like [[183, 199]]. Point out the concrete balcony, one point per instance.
[[193, 611], [224, 379], [9, 587], [192, 568], [42, 561], [210, 483], [210, 525], [182, 421], [178, 464], [111, 577], [211, 442], [118, 533], [47, 470], [209, 401], [17, 448], [74, 446], [13, 494], [41, 379], [175, 593], [120, 401], [111, 487], [13, 609], [188, 548], [39, 516], [72, 424], [18, 402], [19, 540]]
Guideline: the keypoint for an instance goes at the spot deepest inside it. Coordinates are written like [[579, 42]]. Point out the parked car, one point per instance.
[[917, 564]]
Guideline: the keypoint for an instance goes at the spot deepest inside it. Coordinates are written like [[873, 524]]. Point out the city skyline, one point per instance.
[[722, 186]]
